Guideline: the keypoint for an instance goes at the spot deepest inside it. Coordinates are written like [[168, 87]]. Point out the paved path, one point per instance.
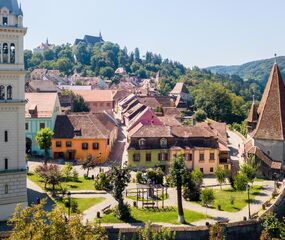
[[235, 144]]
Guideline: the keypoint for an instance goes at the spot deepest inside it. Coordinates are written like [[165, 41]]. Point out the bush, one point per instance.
[[139, 178], [124, 213], [241, 182], [101, 182], [207, 197], [200, 115], [74, 206], [151, 175], [67, 169]]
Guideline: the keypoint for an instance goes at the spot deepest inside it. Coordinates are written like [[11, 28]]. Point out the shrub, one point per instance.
[[139, 178], [75, 175], [200, 115], [241, 182], [74, 206], [67, 170], [101, 182], [124, 212], [151, 175], [207, 197]]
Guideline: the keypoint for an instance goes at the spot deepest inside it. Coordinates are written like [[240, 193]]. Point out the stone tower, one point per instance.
[[13, 188]]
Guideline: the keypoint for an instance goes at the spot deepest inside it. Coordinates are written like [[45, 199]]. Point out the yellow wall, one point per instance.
[[81, 154]]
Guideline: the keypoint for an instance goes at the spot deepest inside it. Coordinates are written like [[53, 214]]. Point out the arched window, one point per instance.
[[6, 164], [2, 92], [0, 53], [5, 53], [9, 92], [142, 142], [163, 142], [12, 53], [6, 189]]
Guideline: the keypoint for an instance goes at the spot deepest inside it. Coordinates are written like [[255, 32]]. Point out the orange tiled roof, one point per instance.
[[96, 95]]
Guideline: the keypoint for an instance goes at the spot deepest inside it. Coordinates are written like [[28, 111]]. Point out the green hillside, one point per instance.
[[257, 70]]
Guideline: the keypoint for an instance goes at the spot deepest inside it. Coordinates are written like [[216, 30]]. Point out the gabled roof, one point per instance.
[[185, 131], [179, 88], [12, 6], [89, 126], [271, 122], [44, 103], [42, 86], [253, 115], [150, 131]]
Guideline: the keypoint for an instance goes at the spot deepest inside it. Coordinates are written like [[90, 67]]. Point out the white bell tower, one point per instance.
[[13, 187]]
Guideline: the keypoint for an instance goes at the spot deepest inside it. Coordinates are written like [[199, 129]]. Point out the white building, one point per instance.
[[13, 188]]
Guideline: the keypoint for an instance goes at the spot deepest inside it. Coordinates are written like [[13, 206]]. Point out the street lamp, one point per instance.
[[248, 188], [100, 162], [69, 203]]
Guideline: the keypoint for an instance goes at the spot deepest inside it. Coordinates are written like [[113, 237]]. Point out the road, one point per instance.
[[235, 145]]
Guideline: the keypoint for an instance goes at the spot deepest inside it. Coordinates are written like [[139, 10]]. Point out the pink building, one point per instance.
[[146, 117]]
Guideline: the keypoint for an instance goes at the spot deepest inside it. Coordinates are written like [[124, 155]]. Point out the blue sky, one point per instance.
[[194, 32]]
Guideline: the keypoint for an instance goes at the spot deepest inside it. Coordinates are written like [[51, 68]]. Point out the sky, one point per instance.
[[194, 32]]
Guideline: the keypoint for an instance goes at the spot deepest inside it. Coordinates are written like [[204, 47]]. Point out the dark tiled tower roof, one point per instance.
[[253, 115], [271, 122], [12, 5]]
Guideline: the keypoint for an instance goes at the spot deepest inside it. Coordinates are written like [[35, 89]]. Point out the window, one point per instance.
[[211, 169], [268, 153], [27, 126], [6, 164], [5, 53], [58, 143], [188, 157], [202, 157], [163, 156], [163, 142], [12, 53], [226, 167], [68, 144], [42, 125], [2, 92], [5, 21], [6, 136], [108, 142], [202, 170], [108, 104], [6, 189], [84, 146], [148, 157], [95, 146], [9, 92], [142, 142], [101, 104], [137, 157], [212, 156]]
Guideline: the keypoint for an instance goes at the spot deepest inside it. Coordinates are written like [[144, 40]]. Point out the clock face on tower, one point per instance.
[[12, 109]]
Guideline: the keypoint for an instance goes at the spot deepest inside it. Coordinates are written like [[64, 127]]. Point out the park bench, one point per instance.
[[148, 204], [105, 209]]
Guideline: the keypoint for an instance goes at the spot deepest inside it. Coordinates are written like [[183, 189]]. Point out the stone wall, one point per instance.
[[233, 231]]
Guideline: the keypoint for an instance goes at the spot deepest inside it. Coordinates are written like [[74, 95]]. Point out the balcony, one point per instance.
[[224, 161]]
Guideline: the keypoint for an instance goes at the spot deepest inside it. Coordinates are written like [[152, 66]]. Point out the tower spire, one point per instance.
[[275, 58]]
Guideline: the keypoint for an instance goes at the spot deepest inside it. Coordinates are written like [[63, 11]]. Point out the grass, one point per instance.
[[167, 215], [83, 203], [81, 184], [223, 198]]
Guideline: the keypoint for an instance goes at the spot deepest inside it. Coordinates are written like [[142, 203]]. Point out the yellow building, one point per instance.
[[78, 135]]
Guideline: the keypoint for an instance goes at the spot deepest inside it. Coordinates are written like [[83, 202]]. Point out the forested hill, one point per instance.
[[258, 70], [223, 97]]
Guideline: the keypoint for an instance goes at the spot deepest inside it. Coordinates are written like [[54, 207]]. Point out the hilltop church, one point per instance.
[[13, 188], [266, 124]]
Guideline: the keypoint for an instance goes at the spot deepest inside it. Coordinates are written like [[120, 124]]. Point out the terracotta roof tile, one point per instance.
[[44, 103], [271, 122], [149, 131], [95, 95]]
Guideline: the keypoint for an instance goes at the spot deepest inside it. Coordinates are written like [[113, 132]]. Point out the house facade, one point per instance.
[[98, 100], [13, 172], [41, 111], [79, 135], [156, 146]]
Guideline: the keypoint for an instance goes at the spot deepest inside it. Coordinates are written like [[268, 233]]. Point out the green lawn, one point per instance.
[[84, 203], [82, 184], [155, 216], [223, 198]]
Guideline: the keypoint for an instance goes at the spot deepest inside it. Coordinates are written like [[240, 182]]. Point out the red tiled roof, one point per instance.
[[253, 115], [271, 122], [152, 131]]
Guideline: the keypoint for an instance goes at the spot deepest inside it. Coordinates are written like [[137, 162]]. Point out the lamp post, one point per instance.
[[100, 162], [248, 188], [69, 203]]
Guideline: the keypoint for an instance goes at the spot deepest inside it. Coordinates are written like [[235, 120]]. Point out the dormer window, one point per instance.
[[5, 21], [77, 132], [142, 142], [163, 142]]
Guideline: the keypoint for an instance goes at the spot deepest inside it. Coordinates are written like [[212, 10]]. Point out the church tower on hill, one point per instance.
[[266, 123], [13, 189]]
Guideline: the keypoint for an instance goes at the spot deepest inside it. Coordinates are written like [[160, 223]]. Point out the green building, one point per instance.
[[41, 111]]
